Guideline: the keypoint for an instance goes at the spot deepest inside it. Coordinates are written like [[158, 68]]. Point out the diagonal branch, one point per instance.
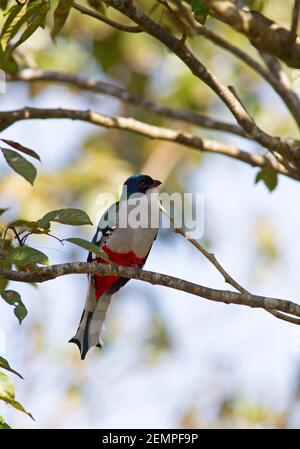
[[214, 261], [92, 85], [43, 274], [289, 151], [7, 118]]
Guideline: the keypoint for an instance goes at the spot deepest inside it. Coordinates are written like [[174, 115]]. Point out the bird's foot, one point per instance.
[[115, 266], [137, 269]]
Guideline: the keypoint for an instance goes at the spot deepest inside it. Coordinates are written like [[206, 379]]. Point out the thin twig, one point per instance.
[[295, 21], [129, 9], [44, 274], [213, 260], [32, 75]]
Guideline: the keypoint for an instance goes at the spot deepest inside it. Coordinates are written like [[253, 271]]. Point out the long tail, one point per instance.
[[91, 324]]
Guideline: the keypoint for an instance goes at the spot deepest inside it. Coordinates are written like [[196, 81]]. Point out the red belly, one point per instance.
[[104, 283]]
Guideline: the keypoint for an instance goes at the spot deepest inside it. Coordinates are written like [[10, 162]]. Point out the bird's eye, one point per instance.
[[143, 185]]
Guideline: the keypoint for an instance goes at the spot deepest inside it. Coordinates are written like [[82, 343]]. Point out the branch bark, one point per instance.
[[43, 274], [214, 261], [7, 118]]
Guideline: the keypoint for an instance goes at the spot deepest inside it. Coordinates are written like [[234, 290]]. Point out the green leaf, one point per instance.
[[4, 282], [74, 217], [60, 16], [5, 365], [200, 10], [19, 147], [7, 390], [3, 424], [13, 298], [85, 244], [7, 394], [20, 165], [32, 13], [269, 177], [25, 255]]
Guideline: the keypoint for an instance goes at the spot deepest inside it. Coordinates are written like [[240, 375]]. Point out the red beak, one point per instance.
[[155, 183]]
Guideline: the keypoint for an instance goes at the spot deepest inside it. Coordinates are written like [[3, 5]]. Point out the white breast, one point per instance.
[[137, 225]]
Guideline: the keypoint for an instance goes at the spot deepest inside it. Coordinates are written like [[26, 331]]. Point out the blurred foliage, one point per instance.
[[234, 412], [157, 340], [200, 10]]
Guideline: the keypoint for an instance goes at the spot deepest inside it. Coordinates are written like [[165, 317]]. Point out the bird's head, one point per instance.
[[140, 184]]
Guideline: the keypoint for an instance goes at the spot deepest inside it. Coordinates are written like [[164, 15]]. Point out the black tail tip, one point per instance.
[[78, 344], [82, 352]]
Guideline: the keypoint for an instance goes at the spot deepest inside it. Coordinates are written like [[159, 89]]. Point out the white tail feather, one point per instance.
[[91, 325]]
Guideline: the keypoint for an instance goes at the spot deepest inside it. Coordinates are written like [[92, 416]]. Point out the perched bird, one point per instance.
[[126, 245]]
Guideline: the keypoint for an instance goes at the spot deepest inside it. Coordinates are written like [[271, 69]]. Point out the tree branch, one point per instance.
[[263, 33], [214, 261], [280, 83], [7, 118], [92, 85], [280, 145], [43, 274], [104, 19], [295, 21]]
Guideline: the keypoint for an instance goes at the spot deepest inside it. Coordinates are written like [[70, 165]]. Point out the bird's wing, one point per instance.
[[106, 225]]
